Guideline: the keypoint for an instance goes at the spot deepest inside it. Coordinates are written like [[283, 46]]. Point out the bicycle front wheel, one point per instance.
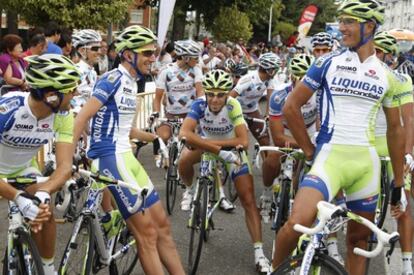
[[78, 256], [383, 198], [125, 253], [197, 226], [321, 264], [282, 206], [27, 255], [172, 178]]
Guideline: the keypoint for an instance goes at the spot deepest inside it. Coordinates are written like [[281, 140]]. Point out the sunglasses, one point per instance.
[[94, 48], [145, 52], [217, 94], [324, 50], [349, 21]]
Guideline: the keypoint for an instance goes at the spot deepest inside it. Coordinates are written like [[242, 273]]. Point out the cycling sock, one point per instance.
[[332, 245], [258, 250], [222, 195], [407, 262], [48, 266]]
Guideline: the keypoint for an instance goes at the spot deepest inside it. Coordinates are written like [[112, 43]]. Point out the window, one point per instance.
[[136, 16]]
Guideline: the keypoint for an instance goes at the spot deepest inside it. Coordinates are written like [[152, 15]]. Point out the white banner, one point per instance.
[[166, 11]]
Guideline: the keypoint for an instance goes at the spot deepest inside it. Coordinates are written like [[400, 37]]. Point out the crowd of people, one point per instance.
[[333, 91]]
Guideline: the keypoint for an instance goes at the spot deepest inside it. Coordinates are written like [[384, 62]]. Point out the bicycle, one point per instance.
[[89, 249], [283, 189], [21, 255], [206, 200], [314, 259], [175, 147]]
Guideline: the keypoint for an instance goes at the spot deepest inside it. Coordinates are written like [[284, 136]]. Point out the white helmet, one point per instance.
[[187, 48], [322, 39], [85, 37], [269, 61]]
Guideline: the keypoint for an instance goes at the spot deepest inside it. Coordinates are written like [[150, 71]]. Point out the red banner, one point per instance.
[[306, 19]]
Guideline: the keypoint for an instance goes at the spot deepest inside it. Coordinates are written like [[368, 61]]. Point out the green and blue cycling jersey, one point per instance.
[[351, 95]]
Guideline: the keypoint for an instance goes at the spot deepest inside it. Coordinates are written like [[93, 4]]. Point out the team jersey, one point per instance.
[[179, 86], [217, 126], [351, 94], [111, 125], [309, 110], [406, 96], [88, 80], [22, 134], [250, 89]]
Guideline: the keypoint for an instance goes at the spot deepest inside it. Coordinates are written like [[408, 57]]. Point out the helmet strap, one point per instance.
[[363, 40], [134, 65]]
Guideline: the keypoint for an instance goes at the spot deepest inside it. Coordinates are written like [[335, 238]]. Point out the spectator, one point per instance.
[[213, 58], [37, 45], [11, 62], [166, 55], [65, 43], [75, 56], [276, 39], [102, 66], [52, 34], [293, 39], [111, 56]]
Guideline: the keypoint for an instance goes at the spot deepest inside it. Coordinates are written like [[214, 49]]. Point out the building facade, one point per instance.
[[399, 14]]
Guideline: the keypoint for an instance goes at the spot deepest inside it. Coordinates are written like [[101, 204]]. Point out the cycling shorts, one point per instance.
[[382, 149], [354, 169], [235, 170], [125, 167], [256, 127]]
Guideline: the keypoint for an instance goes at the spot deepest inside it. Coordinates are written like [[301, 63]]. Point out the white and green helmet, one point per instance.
[[52, 71], [371, 10], [386, 42], [218, 79], [299, 64], [134, 37]]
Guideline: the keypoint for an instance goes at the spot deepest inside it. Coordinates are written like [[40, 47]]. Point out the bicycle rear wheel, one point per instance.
[[172, 178], [321, 264], [27, 256], [383, 198], [78, 255], [282, 206], [197, 226], [124, 263]]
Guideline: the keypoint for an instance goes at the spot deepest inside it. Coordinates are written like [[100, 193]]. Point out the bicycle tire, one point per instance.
[[327, 264], [83, 227], [125, 243], [196, 226], [231, 187], [282, 209], [172, 179], [24, 242], [383, 197]]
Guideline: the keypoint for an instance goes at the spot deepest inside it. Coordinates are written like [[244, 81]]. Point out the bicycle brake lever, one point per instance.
[[391, 250]]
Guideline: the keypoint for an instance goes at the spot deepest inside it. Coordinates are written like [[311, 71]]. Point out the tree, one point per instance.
[[232, 24], [94, 14], [285, 29]]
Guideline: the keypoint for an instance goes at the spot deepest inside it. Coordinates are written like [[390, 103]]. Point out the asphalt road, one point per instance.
[[228, 250]]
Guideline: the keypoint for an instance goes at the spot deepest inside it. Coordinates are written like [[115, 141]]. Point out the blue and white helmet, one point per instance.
[[322, 39], [86, 37], [269, 61], [187, 48]]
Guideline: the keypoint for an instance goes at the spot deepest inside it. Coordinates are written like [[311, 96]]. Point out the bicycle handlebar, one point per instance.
[[283, 150], [258, 120], [328, 211], [143, 192]]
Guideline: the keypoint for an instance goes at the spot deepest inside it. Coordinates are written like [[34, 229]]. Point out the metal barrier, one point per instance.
[[144, 109]]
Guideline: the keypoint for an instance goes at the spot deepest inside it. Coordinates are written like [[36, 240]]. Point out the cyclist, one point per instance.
[[386, 48], [220, 119], [252, 87], [88, 43], [322, 43], [29, 121], [237, 70], [355, 83], [111, 110]]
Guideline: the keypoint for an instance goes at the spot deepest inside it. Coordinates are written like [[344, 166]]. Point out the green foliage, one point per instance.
[[232, 24], [285, 29], [70, 13]]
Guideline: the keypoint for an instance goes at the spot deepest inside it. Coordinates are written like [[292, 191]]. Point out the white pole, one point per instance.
[[269, 38]]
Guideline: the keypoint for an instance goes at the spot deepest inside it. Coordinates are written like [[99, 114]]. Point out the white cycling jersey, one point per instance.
[[345, 81], [22, 134], [110, 127], [88, 80], [250, 89], [179, 86]]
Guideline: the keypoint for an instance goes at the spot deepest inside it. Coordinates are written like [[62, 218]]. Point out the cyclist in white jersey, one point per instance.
[[322, 43], [110, 111], [386, 48], [28, 121], [355, 83], [221, 121], [252, 87], [180, 83], [88, 43]]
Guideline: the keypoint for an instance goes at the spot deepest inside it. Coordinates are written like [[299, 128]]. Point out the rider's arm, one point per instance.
[[7, 191], [156, 105], [407, 116], [88, 110], [241, 85], [187, 131], [292, 111], [278, 133], [241, 138], [161, 87], [198, 78], [396, 143]]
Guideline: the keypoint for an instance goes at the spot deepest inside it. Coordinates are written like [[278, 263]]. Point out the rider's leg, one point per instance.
[[164, 132], [165, 244], [186, 170], [405, 228], [270, 168]]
